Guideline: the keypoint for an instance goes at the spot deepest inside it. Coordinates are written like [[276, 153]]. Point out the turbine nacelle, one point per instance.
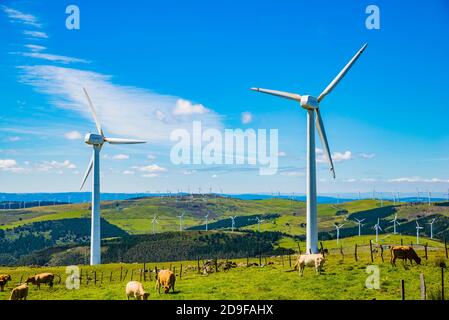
[[94, 139], [309, 102]]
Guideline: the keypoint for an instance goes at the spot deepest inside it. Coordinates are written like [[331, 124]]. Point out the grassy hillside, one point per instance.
[[343, 278]]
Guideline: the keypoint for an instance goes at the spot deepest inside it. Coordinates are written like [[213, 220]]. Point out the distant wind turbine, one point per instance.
[[377, 228], [431, 227], [259, 221], [232, 222], [418, 227], [206, 217], [181, 217], [154, 222], [311, 105], [97, 141], [395, 223], [359, 222], [338, 227]]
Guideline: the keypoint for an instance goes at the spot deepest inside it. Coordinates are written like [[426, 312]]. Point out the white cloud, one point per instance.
[[35, 47], [214, 176], [367, 155], [418, 180], [188, 172], [55, 165], [247, 117], [73, 135], [128, 172], [53, 57], [17, 16], [14, 139], [336, 156], [11, 165], [153, 168], [36, 34], [150, 175], [282, 154], [137, 120], [120, 157], [185, 107]]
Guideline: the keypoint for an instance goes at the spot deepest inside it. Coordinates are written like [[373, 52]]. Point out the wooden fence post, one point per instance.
[[110, 277], [289, 260], [355, 252], [198, 262], [442, 283], [140, 275], [260, 259], [121, 273], [180, 272], [132, 274], [425, 250], [341, 252], [445, 247], [402, 290], [101, 279], [95, 277], [371, 250], [247, 260], [382, 253], [402, 242], [322, 248], [282, 259], [126, 273], [299, 248], [423, 287]]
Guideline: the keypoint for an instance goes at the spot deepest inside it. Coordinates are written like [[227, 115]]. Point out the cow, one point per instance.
[[404, 253], [317, 260], [135, 289], [46, 277], [165, 278], [4, 278], [19, 293]]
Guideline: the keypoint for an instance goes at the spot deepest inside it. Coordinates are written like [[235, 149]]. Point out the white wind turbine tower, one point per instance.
[[430, 197], [311, 105], [338, 227], [154, 222], [431, 227], [181, 217], [377, 228], [97, 141], [207, 222], [232, 222], [395, 223], [418, 227], [259, 221], [359, 222]]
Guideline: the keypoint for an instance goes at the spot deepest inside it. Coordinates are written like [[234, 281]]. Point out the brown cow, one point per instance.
[[135, 289], [4, 278], [404, 253], [19, 293], [37, 279], [167, 279]]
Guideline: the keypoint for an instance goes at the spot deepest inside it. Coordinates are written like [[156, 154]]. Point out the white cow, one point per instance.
[[135, 289], [310, 260]]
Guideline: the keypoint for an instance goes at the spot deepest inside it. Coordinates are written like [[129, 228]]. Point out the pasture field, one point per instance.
[[343, 277]]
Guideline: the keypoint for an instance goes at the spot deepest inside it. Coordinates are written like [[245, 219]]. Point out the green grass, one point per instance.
[[343, 278]]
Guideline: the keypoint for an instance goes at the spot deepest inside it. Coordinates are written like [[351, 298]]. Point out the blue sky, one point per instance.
[[386, 121]]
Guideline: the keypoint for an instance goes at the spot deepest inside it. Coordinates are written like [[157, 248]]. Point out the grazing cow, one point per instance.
[[317, 260], [165, 278], [404, 253], [37, 279], [4, 278], [19, 293], [135, 289]]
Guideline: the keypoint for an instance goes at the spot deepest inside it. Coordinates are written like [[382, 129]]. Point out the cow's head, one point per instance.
[[166, 289], [418, 260], [145, 296], [8, 277], [31, 280]]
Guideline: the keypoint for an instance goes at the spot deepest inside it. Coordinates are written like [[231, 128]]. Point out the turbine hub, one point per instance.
[[309, 102], [94, 139]]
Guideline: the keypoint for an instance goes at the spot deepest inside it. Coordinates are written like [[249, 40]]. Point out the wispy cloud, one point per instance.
[[36, 34], [20, 17], [52, 165], [53, 57], [418, 180], [336, 156], [120, 157], [11, 165], [137, 119], [35, 47], [367, 155], [73, 135], [185, 107]]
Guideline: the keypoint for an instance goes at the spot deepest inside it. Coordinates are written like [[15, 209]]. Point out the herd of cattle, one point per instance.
[[166, 278]]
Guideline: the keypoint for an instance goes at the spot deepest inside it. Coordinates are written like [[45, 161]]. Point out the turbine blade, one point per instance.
[[342, 73], [89, 169], [123, 141], [286, 95], [323, 138], [94, 114]]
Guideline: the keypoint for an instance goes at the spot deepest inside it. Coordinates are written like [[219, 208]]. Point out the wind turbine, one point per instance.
[[181, 217], [359, 222], [395, 223], [431, 227], [259, 221], [154, 221], [232, 222], [419, 198], [207, 216], [97, 141], [338, 226], [311, 105], [418, 227], [430, 197], [377, 228]]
